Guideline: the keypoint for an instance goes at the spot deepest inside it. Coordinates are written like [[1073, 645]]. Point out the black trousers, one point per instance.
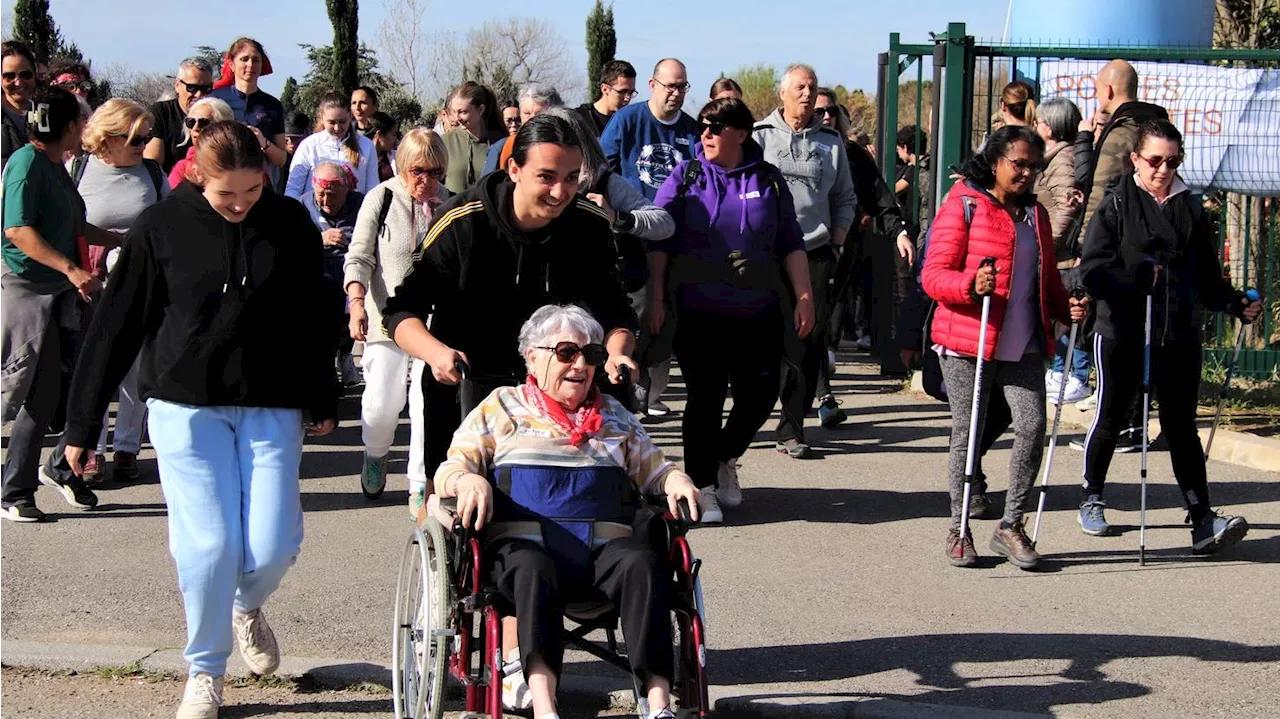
[[800, 388], [1175, 374], [627, 572], [714, 353], [26, 437]]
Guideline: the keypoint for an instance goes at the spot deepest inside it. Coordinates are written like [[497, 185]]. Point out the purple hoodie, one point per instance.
[[747, 209]]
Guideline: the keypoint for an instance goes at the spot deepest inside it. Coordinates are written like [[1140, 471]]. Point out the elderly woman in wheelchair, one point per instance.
[[555, 471]]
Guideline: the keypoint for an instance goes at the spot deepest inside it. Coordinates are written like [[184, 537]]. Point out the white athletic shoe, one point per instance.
[[1052, 380], [1076, 391], [515, 690], [1088, 403], [201, 698], [729, 492], [257, 642], [710, 512]]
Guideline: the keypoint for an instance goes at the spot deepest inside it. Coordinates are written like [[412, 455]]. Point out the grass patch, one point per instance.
[[119, 671], [370, 688], [271, 682]]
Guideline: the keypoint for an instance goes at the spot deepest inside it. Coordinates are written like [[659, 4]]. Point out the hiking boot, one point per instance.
[[348, 372], [1217, 531], [201, 698], [728, 491], [1014, 544], [1093, 521], [829, 412], [793, 448], [979, 506], [71, 487], [709, 511], [961, 553], [257, 642], [124, 467], [23, 513], [94, 467], [373, 478]]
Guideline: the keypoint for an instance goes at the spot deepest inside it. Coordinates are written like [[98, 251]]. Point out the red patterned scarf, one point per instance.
[[586, 421]]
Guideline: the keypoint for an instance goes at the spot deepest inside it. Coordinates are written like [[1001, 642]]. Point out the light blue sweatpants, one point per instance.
[[230, 480]]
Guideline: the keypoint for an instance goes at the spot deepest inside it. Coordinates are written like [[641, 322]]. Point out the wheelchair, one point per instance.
[[447, 626]]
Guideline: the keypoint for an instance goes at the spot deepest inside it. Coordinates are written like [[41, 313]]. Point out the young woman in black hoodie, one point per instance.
[[217, 285], [1151, 233]]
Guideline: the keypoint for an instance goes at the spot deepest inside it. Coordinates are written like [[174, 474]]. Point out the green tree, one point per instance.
[[289, 95], [602, 44], [345, 72], [34, 27], [395, 100], [759, 88], [213, 56]]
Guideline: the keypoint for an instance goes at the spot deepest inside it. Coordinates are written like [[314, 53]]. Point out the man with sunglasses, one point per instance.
[[617, 87], [812, 159], [643, 143], [193, 81]]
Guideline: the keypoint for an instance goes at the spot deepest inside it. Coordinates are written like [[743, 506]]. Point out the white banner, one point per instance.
[[1229, 118]]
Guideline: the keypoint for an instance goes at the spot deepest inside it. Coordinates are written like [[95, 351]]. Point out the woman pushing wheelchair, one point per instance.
[[556, 471]]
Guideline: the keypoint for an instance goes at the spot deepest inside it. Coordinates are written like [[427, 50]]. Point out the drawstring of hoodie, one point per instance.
[[234, 249], [546, 269]]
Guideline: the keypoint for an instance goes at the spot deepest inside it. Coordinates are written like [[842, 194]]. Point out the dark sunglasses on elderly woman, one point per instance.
[[567, 352], [196, 123]]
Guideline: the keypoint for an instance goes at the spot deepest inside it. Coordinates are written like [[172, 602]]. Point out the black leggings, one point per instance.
[[625, 571], [800, 388], [1175, 374], [715, 352]]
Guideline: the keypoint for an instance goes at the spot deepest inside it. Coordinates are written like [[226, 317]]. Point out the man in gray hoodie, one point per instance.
[[812, 159]]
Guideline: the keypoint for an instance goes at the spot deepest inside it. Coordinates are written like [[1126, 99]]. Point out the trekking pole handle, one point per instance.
[[1252, 295], [1079, 293], [988, 262]]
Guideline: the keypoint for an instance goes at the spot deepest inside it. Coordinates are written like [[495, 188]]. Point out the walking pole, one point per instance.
[[1146, 422], [972, 454], [1057, 418], [1251, 296]]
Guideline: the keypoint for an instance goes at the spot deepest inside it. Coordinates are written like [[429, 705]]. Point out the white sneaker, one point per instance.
[[1088, 403], [709, 508], [729, 492], [201, 698], [1052, 380], [515, 690], [1076, 391], [257, 642]]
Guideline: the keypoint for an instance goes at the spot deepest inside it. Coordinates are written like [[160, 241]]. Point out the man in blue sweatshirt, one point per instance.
[[643, 143], [812, 159]]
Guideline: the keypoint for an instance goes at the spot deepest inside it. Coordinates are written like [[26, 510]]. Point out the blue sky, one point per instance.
[[840, 38]]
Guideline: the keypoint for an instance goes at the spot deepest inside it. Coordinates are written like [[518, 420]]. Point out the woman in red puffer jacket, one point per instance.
[[1005, 222]]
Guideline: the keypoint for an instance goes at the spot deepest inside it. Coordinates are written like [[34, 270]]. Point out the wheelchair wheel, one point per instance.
[[689, 635], [419, 642]]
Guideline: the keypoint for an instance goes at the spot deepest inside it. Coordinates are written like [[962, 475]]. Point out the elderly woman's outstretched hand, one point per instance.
[[678, 486], [475, 499]]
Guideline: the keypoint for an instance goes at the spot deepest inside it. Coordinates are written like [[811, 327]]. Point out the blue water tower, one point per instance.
[[1141, 23]]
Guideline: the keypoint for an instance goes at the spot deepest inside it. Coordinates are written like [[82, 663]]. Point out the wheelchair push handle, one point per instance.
[[463, 368]]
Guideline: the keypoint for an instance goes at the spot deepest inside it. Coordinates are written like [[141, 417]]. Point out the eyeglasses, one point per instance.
[[22, 74], [435, 173], [512, 122], [567, 352], [829, 110], [194, 87], [681, 88], [1020, 165], [627, 94], [715, 128], [1156, 162], [196, 123]]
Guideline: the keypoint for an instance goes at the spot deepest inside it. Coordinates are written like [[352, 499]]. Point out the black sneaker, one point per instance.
[[73, 489], [829, 412], [1217, 531], [25, 513], [1130, 440], [979, 506]]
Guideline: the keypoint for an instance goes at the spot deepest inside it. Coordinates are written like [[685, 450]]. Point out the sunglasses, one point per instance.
[[193, 88], [512, 121], [829, 110], [137, 140], [24, 74], [715, 128], [435, 173], [81, 85], [196, 123], [567, 352], [1156, 162]]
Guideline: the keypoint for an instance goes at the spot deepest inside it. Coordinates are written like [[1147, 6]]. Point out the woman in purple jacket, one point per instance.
[[736, 275]]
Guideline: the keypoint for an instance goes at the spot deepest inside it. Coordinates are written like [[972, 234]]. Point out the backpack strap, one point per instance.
[[383, 209], [970, 205], [692, 174], [157, 175], [78, 164]]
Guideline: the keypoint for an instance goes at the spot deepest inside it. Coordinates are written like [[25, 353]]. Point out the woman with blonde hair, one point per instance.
[[203, 112], [336, 139], [393, 218], [117, 183]]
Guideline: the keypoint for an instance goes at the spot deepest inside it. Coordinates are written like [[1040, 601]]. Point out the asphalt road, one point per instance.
[[827, 589]]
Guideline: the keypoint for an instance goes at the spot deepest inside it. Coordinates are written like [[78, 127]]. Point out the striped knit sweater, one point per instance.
[[505, 429]]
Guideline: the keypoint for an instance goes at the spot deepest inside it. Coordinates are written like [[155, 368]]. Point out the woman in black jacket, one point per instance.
[[1151, 234], [218, 286]]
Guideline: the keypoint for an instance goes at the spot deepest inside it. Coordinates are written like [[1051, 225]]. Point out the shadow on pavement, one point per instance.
[[933, 659]]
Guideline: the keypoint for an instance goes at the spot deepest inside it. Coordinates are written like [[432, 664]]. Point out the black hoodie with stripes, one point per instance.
[[224, 314]]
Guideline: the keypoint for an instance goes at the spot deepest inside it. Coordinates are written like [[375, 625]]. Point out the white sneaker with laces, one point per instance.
[[1076, 391], [709, 508], [257, 642], [1052, 380], [729, 492], [201, 698]]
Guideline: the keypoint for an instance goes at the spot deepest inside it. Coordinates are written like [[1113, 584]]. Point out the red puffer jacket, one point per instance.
[[954, 254]]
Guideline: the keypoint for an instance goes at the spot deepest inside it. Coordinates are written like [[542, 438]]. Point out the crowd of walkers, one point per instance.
[[210, 263]]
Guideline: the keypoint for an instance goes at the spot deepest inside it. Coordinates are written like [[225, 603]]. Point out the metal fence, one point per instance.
[[1224, 101]]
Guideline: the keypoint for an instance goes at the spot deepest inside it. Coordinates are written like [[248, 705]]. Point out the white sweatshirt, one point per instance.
[[322, 147]]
